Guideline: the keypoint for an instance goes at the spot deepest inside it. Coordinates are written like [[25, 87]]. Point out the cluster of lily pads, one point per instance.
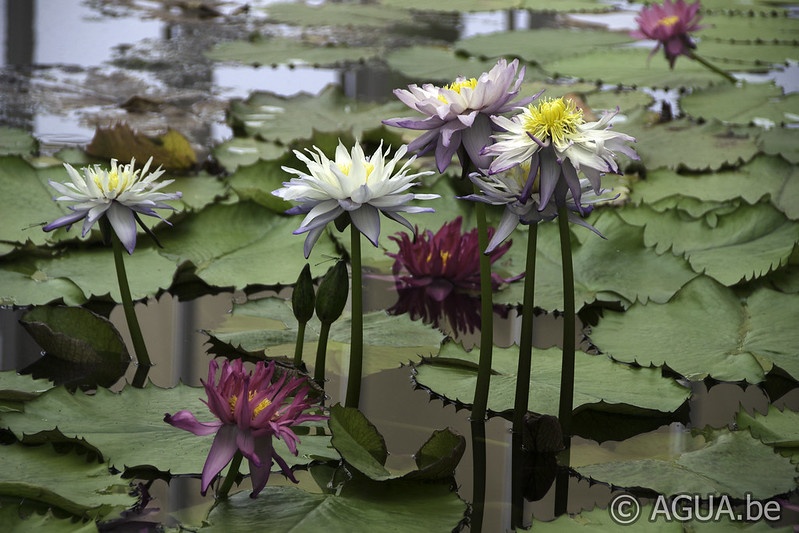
[[696, 278]]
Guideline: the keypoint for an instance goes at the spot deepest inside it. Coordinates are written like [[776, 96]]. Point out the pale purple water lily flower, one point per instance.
[[552, 137], [251, 408], [669, 24], [458, 114], [523, 205], [117, 193], [360, 186]]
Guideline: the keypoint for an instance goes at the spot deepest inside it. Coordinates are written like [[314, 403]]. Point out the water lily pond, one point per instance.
[[685, 268]]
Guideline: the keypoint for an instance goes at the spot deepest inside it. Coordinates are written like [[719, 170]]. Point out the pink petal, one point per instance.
[[222, 451], [185, 420]]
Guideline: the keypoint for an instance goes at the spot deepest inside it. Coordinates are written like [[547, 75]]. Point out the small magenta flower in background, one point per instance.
[[552, 137], [251, 409], [443, 262], [118, 194], [353, 184], [458, 114], [669, 24]]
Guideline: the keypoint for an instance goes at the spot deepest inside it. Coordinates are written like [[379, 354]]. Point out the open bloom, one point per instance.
[[251, 408], [458, 114], [118, 193], [360, 186], [443, 261], [552, 137], [669, 24], [523, 204]]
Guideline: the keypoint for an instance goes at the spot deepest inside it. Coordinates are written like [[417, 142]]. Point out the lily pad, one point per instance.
[[80, 488], [600, 384], [171, 150], [603, 268], [14, 521], [285, 51], [751, 29], [243, 151], [14, 141], [778, 428], [707, 330], [18, 388], [257, 181], [745, 244], [722, 462], [338, 14], [268, 326], [122, 427], [747, 104], [360, 506], [433, 64]]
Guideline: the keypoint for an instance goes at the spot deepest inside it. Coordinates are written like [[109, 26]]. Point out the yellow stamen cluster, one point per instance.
[[113, 181], [555, 118], [668, 21], [347, 168], [457, 86], [263, 404], [444, 254]]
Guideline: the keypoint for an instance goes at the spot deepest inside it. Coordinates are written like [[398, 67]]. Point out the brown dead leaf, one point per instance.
[[172, 150]]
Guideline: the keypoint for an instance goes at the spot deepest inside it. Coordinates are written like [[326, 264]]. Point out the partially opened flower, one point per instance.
[[251, 408], [523, 205], [360, 186], [443, 262], [552, 137], [669, 24], [118, 194], [458, 114]]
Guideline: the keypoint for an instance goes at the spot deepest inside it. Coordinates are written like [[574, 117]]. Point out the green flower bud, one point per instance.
[[333, 292], [303, 298]]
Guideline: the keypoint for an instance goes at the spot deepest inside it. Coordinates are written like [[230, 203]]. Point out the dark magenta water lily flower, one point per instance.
[[443, 261], [251, 408], [669, 24]]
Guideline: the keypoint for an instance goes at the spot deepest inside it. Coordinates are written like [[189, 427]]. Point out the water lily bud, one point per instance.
[[303, 298], [332, 294]]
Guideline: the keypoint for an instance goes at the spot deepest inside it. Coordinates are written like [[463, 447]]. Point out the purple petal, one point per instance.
[[185, 420], [259, 474], [66, 220], [222, 451], [367, 221], [475, 139]]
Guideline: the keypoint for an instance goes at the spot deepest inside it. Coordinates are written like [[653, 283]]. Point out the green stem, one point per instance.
[[299, 345], [478, 475], [567, 368], [353, 397], [480, 405], [321, 355], [523, 377], [712, 67], [231, 476], [142, 357]]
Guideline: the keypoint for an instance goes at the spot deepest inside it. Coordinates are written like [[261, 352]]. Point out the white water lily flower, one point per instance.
[[118, 194], [555, 139], [353, 184]]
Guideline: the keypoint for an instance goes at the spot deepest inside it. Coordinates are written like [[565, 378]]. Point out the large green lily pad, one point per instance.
[[778, 428], [128, 428], [600, 384], [721, 462], [433, 64], [16, 522], [346, 14], [707, 330], [756, 103], [285, 51]]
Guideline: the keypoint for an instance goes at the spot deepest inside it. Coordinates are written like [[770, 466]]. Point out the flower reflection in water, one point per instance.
[[437, 276]]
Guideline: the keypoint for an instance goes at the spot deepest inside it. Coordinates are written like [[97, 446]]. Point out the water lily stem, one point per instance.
[[712, 67], [139, 347], [353, 396], [479, 475], [523, 376], [321, 355], [299, 345], [231, 476], [480, 404], [567, 367]]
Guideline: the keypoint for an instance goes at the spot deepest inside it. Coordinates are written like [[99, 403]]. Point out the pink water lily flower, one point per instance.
[[443, 262], [251, 408], [669, 24], [458, 114]]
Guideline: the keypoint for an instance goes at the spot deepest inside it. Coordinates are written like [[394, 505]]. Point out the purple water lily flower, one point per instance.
[[251, 408], [118, 194], [443, 262], [669, 24], [458, 114]]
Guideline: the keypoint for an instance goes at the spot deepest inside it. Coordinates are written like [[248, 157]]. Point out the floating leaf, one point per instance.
[[564, 6], [19, 388], [16, 521], [600, 384], [750, 103], [285, 51], [257, 181], [360, 506], [748, 243], [275, 118], [433, 64], [707, 330], [618, 268], [778, 428], [347, 15], [15, 141], [171, 150], [197, 191], [540, 45], [243, 151], [780, 141], [123, 426], [724, 462], [84, 489], [754, 29]]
